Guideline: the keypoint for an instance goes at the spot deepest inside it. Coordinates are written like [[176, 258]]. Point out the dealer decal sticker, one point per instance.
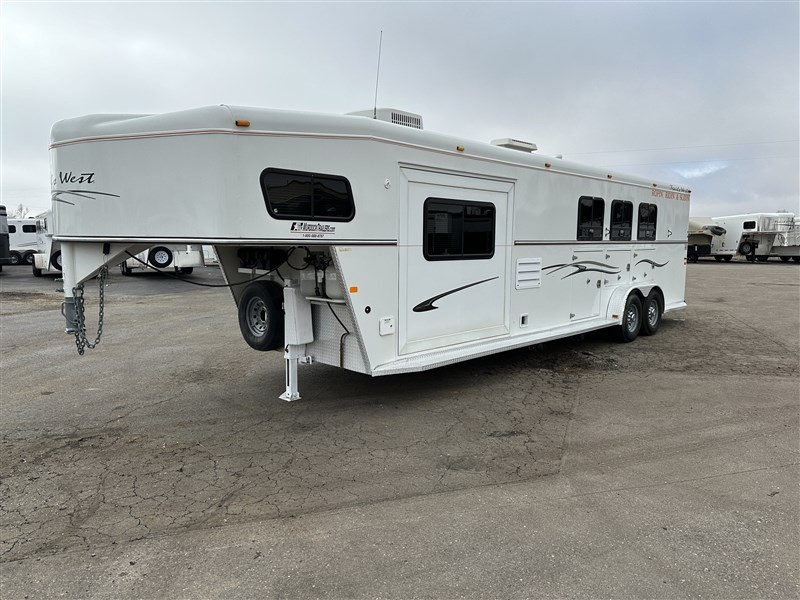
[[312, 230]]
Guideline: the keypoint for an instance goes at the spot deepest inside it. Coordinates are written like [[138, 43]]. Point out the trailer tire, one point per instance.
[[718, 258], [16, 257], [750, 258], [796, 258], [160, 257], [27, 258], [36, 272], [786, 258], [261, 315], [745, 248], [762, 258], [184, 270], [55, 260], [728, 258], [124, 268], [652, 311], [631, 320]]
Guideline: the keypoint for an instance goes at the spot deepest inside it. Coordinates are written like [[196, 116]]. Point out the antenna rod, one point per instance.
[[377, 77]]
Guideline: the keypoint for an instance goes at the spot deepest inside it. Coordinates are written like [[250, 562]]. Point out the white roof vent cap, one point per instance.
[[515, 144]]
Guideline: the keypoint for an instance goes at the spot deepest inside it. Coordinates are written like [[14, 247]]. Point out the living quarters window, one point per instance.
[[12, 229], [458, 229], [647, 221], [29, 229], [308, 196], [749, 225], [621, 220], [590, 218]]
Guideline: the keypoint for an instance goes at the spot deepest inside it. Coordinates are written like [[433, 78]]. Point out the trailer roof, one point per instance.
[[240, 120]]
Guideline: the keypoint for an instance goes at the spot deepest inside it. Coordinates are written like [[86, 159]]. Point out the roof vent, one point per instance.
[[515, 144], [391, 115]]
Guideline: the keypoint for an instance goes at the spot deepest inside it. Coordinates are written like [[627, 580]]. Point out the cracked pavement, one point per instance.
[[172, 427]]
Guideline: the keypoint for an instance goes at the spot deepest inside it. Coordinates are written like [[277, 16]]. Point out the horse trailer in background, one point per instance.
[[370, 244], [5, 251], [705, 239], [181, 258], [22, 240], [47, 259], [758, 236]]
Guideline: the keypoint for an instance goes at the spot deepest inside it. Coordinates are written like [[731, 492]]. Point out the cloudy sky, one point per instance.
[[702, 94]]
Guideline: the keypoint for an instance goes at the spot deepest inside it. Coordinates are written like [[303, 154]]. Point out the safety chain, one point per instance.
[[81, 340]]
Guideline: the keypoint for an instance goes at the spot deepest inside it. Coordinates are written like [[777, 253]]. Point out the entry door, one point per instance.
[[453, 258]]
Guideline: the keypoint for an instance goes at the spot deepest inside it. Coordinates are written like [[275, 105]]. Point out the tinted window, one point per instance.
[[621, 220], [12, 229], [647, 221], [590, 218], [29, 229], [749, 225], [309, 196], [458, 229]]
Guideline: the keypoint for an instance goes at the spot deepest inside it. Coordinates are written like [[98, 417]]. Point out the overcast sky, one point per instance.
[[702, 94]]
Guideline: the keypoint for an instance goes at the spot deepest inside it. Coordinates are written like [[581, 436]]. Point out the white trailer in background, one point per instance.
[[5, 252], [182, 258], [47, 259], [705, 238], [757, 236], [22, 240], [370, 245]]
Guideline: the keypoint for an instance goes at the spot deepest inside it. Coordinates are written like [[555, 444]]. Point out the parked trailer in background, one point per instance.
[[371, 244], [5, 251], [22, 240], [182, 258], [787, 242], [47, 260], [704, 239], [757, 236]]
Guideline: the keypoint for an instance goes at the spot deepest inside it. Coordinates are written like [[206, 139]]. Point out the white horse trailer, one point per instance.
[[47, 259], [374, 246], [183, 258], [757, 236], [22, 240], [5, 251]]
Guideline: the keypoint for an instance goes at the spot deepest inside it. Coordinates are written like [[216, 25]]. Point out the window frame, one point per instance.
[[426, 207], [12, 229], [313, 217], [654, 222], [595, 201], [612, 224], [745, 226]]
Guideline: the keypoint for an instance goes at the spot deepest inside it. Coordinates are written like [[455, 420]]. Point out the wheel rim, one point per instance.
[[160, 258], [257, 316], [15, 259], [652, 313], [632, 318]]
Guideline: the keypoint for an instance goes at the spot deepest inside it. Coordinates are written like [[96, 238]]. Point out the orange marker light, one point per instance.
[[242, 123], [353, 289], [460, 148]]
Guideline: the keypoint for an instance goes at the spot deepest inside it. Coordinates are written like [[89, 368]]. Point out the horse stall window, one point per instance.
[[307, 196], [621, 220], [590, 218], [647, 221], [458, 229]]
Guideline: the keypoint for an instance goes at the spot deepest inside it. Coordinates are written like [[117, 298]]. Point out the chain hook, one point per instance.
[[81, 341]]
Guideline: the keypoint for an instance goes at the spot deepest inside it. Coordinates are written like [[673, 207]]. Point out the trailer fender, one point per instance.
[[619, 298]]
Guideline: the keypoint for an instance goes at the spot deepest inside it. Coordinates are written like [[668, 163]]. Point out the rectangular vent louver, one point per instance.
[[529, 273], [391, 115], [406, 119]]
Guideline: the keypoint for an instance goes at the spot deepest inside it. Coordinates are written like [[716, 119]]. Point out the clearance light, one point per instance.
[[460, 148], [609, 175], [242, 123], [353, 289], [548, 165]]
